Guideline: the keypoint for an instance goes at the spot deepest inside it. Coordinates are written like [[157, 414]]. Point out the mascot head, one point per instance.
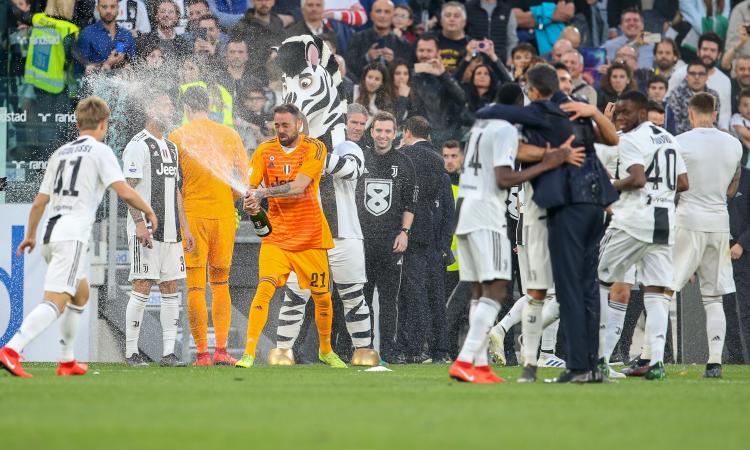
[[311, 78]]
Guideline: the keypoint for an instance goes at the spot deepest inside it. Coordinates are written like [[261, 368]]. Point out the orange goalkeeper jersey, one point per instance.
[[210, 155], [298, 222]]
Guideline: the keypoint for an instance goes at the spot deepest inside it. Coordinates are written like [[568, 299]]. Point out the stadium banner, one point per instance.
[[22, 288]]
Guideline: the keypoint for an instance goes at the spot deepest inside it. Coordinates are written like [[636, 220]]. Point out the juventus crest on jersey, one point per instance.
[[154, 161], [648, 213]]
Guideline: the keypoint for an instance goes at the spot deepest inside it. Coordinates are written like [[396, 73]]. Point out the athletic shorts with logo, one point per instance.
[[704, 253], [485, 255], [66, 266], [620, 252], [164, 261]]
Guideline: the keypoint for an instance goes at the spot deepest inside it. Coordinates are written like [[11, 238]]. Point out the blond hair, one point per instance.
[[90, 112], [60, 8]]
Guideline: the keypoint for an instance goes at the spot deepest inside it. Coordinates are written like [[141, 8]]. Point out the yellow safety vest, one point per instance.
[[454, 267], [222, 116], [46, 60]]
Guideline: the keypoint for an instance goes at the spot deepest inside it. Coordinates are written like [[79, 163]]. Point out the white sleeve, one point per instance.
[[345, 162], [725, 105], [142, 25], [629, 155], [49, 176], [681, 167], [736, 120], [506, 148], [678, 75], [134, 160], [109, 168]]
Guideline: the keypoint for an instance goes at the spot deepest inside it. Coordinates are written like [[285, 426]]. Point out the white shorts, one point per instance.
[[706, 254], [484, 255], [533, 257], [66, 266], [346, 260], [164, 261], [620, 252]]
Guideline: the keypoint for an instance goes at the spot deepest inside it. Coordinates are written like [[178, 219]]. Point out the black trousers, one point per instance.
[[438, 340], [574, 235], [737, 310], [384, 269], [413, 306]]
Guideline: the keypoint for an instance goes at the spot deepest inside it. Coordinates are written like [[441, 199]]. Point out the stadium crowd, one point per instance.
[[429, 63]]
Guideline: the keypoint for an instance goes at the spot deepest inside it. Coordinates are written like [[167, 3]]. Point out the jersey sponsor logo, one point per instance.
[[166, 170], [378, 194]]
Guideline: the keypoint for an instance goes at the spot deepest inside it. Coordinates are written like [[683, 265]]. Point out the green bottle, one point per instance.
[[261, 224]]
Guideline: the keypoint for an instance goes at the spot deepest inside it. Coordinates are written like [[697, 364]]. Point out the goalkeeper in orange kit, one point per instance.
[[290, 167], [210, 155]]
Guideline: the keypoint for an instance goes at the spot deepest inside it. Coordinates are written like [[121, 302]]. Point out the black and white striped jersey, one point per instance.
[[154, 161], [77, 175]]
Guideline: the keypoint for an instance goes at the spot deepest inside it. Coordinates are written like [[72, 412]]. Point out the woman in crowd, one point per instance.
[[401, 75], [617, 80], [375, 91], [480, 90]]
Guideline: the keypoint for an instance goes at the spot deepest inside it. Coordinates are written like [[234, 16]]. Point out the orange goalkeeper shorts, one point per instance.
[[311, 267], [214, 242]]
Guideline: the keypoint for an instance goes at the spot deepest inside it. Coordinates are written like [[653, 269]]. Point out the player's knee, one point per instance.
[[263, 294], [168, 287], [196, 278], [711, 300], [142, 287], [620, 293], [322, 302], [218, 275]]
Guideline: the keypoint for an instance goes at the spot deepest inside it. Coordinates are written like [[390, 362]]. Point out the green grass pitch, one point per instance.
[[413, 407]]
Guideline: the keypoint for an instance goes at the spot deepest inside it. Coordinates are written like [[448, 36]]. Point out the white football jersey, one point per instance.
[[154, 161], [711, 157], [77, 175], [481, 204], [647, 213]]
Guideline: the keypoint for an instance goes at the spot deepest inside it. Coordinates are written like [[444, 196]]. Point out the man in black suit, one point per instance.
[[737, 306]]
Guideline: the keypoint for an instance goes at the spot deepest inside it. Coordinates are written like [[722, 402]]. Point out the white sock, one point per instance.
[[69, 324], [603, 302], [716, 327], [37, 321], [549, 336], [531, 328], [615, 320], [169, 316], [480, 322], [646, 349], [657, 307], [481, 359], [133, 319], [550, 312], [513, 316]]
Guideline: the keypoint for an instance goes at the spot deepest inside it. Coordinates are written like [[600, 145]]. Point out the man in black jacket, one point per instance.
[[499, 26], [377, 43], [386, 197], [415, 311], [738, 309], [437, 96]]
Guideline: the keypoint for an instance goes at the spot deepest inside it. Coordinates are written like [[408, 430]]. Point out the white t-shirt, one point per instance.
[[492, 143], [154, 161], [77, 175], [131, 15], [716, 81], [647, 213], [711, 157]]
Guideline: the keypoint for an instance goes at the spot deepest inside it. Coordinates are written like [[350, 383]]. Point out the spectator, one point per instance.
[[737, 42], [741, 80], [313, 23], [666, 58], [480, 91], [573, 60], [566, 81], [228, 12], [348, 12], [425, 12], [236, 74], [617, 80], [251, 116], [704, 16], [401, 76], [740, 123], [377, 43], [739, 225], [521, 58], [375, 91], [657, 89], [572, 35], [655, 113], [209, 41], [150, 53], [196, 9], [171, 44], [709, 52], [105, 45], [437, 96], [490, 19], [631, 24], [481, 52], [135, 20], [452, 39], [261, 29], [403, 23], [357, 118], [677, 121], [561, 47], [541, 22], [628, 56], [194, 73]]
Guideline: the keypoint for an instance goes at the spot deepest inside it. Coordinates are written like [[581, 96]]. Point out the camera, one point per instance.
[[481, 45]]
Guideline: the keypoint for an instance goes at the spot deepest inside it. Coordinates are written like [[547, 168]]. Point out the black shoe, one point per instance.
[[442, 359], [638, 367], [398, 358], [136, 360], [171, 361], [528, 375], [712, 371], [422, 358], [570, 376]]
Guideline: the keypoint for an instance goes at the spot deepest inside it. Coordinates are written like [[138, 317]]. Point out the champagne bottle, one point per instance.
[[261, 224]]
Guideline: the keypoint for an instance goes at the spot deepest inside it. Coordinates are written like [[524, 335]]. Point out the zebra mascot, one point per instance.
[[311, 82]]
